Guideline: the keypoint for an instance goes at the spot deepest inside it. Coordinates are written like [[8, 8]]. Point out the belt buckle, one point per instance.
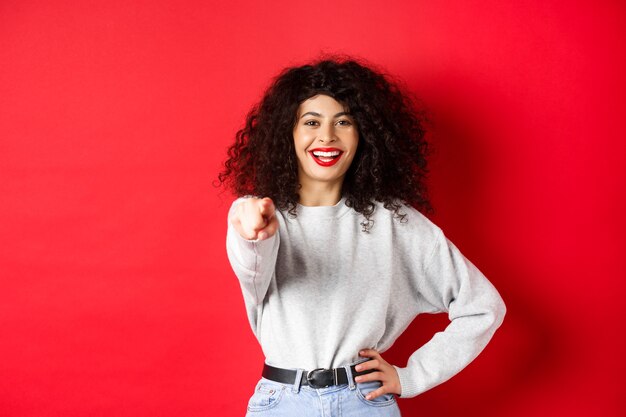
[[310, 380]]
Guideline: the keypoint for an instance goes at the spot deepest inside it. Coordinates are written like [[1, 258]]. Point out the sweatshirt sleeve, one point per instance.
[[253, 262], [452, 284]]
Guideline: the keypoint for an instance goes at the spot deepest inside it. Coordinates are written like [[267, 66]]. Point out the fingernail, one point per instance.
[[368, 397], [358, 368], [358, 378]]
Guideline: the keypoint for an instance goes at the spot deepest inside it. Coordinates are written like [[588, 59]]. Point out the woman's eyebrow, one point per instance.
[[312, 113]]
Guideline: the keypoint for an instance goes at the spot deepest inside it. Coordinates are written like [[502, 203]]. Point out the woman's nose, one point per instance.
[[327, 135]]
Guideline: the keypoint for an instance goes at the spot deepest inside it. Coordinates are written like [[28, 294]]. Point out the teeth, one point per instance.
[[326, 154]]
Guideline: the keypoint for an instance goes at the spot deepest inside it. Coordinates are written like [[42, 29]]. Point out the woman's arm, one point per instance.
[[252, 245], [452, 284]]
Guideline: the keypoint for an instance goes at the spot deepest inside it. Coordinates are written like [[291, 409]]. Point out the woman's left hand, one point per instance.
[[384, 373]]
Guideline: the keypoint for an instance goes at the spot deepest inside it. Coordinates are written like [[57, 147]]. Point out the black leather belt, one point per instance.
[[316, 378]]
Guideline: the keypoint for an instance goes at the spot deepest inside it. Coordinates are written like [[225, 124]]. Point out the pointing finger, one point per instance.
[[266, 207]]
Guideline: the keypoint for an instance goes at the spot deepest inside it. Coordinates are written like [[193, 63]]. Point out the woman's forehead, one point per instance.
[[322, 104]]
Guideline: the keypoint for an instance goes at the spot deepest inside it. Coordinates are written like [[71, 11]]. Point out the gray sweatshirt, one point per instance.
[[321, 289]]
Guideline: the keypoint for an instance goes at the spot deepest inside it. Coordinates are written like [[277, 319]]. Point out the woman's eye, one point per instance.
[[311, 123], [344, 122]]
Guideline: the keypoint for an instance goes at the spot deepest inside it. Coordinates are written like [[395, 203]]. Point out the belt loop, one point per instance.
[[296, 384], [349, 375]]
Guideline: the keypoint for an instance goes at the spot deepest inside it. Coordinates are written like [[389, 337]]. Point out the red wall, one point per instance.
[[116, 298]]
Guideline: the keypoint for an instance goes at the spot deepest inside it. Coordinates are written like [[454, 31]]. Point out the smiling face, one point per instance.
[[326, 139]]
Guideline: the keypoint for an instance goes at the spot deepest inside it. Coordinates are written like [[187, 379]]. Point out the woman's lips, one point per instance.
[[326, 157]]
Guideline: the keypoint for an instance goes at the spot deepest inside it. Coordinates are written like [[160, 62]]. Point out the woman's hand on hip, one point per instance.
[[255, 218], [384, 373]]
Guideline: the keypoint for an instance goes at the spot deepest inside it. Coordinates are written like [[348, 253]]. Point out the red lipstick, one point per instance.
[[326, 157]]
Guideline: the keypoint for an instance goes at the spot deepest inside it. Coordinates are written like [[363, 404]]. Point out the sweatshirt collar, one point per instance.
[[323, 212]]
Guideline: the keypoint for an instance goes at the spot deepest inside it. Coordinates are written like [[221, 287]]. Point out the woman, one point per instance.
[[333, 259]]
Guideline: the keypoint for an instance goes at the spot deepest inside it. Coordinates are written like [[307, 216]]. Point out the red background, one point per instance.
[[116, 298]]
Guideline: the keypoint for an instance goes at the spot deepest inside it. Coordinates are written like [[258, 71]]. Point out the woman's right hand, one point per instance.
[[255, 218]]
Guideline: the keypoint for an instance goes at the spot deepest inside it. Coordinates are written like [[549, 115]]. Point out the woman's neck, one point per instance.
[[320, 193]]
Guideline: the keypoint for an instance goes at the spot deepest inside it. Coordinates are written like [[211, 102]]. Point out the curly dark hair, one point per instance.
[[389, 165]]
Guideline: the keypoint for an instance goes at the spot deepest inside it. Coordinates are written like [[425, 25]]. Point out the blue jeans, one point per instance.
[[275, 399]]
